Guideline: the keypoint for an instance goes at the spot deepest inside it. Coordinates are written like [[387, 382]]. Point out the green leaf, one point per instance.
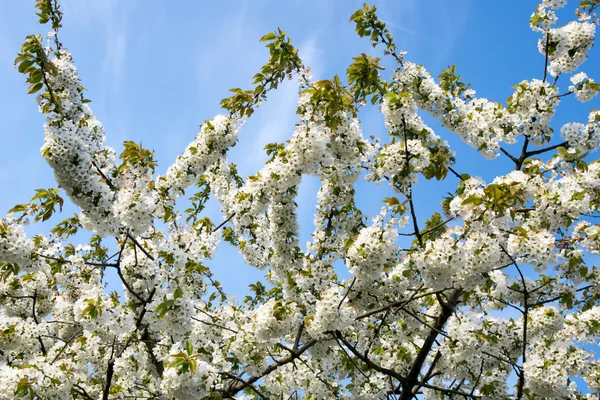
[[535, 19], [391, 201], [36, 76], [24, 65], [93, 310], [192, 364], [176, 363], [40, 193], [472, 200], [18, 208], [163, 308], [178, 293], [35, 88], [522, 231], [268, 36]]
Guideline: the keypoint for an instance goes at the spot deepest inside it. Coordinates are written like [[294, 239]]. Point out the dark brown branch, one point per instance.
[[523, 153], [400, 303], [547, 51], [506, 153], [414, 219], [62, 260], [37, 323], [553, 299], [104, 176], [317, 375], [138, 322], [126, 284], [79, 332], [117, 266], [432, 328], [213, 324], [81, 392], [216, 228], [298, 336], [412, 378], [110, 369], [377, 331], [389, 45], [347, 293], [282, 361], [367, 361], [150, 344], [450, 391], [216, 285], [526, 306], [425, 232], [505, 360], [240, 380], [140, 247], [544, 150], [429, 373], [459, 176], [558, 96]]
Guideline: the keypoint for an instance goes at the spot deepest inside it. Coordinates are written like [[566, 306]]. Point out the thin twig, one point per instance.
[[216, 228]]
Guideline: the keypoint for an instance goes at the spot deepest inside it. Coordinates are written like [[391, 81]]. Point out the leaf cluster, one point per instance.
[[283, 61], [364, 79], [49, 10], [32, 62], [450, 82], [48, 199], [334, 98], [185, 361], [168, 304], [369, 25], [134, 155]]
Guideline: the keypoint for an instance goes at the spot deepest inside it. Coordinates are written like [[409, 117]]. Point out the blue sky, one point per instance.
[[155, 70]]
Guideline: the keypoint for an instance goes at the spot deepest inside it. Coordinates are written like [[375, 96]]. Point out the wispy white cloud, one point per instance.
[[115, 58], [405, 29], [114, 17], [451, 26], [423, 29], [311, 54], [277, 122], [235, 52]]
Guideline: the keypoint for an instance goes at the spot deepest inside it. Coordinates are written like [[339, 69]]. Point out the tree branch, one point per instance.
[[110, 369], [367, 361], [285, 360], [413, 375]]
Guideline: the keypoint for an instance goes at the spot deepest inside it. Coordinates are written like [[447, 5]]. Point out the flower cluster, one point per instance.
[[580, 137], [533, 103], [74, 146], [495, 286], [568, 46], [549, 366], [191, 379], [135, 208], [15, 246], [373, 249], [481, 123], [584, 87], [212, 142], [545, 15]]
